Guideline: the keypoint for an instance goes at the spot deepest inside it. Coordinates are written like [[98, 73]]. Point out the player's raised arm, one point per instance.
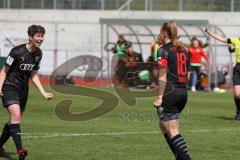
[[217, 37]]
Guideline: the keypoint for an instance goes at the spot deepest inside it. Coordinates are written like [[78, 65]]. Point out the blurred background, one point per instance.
[[147, 5], [83, 27]]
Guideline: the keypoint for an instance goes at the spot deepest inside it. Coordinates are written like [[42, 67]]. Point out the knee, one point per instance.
[[237, 95], [15, 118], [236, 91], [169, 130], [173, 132]]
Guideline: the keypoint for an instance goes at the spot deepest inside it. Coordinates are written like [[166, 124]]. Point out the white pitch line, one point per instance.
[[215, 130], [54, 135]]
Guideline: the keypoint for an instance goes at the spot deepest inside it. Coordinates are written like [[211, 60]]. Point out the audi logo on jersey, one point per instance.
[[27, 67]]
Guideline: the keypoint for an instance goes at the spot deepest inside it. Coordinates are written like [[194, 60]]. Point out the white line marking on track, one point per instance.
[[54, 135]]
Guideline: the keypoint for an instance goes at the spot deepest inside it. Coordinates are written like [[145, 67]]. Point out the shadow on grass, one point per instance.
[[9, 156], [225, 118]]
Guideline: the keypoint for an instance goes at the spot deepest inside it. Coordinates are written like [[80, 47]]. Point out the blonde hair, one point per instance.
[[170, 28]]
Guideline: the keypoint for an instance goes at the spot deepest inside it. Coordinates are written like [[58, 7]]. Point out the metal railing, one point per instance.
[[148, 5]]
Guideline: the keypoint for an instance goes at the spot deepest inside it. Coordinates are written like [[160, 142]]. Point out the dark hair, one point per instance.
[[121, 36], [33, 29], [194, 38]]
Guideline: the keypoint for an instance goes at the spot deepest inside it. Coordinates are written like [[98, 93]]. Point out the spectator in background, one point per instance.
[[196, 53], [122, 49], [153, 59]]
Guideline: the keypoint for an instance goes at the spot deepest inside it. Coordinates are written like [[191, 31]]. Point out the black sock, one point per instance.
[[180, 148], [168, 139], [237, 103], [16, 135], [5, 134]]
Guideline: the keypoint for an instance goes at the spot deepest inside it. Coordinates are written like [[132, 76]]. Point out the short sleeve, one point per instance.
[[234, 41], [162, 58], [11, 57]]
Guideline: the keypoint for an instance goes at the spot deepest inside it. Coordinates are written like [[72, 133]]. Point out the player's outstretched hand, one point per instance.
[[206, 29], [48, 96], [1, 94], [157, 102]]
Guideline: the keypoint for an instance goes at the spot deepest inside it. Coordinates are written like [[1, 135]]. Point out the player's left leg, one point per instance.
[[172, 104], [176, 141], [14, 124], [167, 138]]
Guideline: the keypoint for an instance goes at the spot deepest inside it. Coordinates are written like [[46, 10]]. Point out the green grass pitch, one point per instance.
[[127, 133]]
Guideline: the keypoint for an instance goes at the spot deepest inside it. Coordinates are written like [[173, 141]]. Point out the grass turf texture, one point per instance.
[[207, 125]]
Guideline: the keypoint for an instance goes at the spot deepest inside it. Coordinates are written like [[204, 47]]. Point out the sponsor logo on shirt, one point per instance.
[[9, 60], [27, 67]]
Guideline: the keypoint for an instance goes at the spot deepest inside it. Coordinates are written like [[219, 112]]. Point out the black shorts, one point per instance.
[[13, 95], [172, 104], [196, 69], [236, 75]]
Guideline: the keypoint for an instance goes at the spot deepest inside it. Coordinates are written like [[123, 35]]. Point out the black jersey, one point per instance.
[[21, 63], [176, 60]]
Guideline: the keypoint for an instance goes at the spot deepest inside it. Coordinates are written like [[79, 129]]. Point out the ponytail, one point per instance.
[[171, 29]]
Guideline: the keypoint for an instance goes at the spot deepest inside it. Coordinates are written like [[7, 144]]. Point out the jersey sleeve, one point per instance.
[[11, 57], [37, 62], [204, 55], [162, 58], [233, 41]]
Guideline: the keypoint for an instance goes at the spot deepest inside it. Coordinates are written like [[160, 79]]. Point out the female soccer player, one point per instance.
[[196, 53], [21, 64], [236, 70], [173, 61]]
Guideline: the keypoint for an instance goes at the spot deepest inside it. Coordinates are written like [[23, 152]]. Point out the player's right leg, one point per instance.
[[193, 78], [11, 98], [175, 139], [15, 130], [236, 91], [4, 138]]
